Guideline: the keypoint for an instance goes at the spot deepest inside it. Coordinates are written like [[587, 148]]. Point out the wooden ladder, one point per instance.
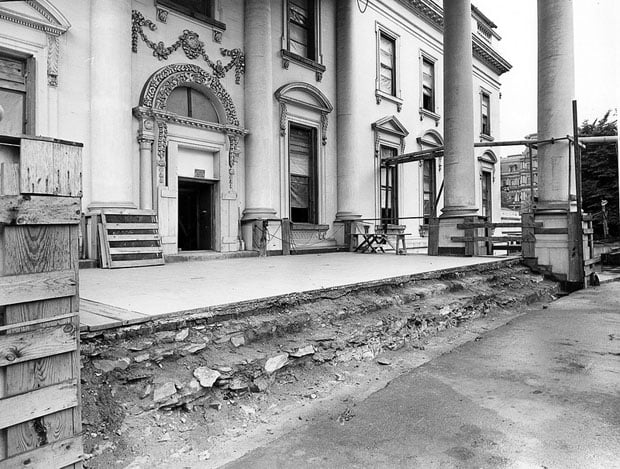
[[129, 238]]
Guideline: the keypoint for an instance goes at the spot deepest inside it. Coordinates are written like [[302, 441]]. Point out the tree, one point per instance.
[[599, 174]]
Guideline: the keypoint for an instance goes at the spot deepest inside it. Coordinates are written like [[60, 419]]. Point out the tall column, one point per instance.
[[110, 149], [260, 153], [460, 172], [556, 90], [556, 87], [350, 119], [459, 161]]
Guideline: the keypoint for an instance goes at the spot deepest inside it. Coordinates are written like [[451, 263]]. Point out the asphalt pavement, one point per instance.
[[542, 391]]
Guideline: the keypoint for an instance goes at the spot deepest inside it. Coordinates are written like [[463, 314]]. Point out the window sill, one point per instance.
[[430, 114], [486, 137], [381, 95], [171, 8], [288, 57]]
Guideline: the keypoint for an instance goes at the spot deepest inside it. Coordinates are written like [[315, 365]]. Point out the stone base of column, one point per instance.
[[556, 245], [262, 235], [448, 229]]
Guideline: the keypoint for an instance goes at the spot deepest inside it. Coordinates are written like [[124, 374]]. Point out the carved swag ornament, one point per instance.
[[191, 45]]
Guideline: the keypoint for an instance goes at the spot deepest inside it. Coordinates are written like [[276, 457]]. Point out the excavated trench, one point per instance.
[[202, 393]]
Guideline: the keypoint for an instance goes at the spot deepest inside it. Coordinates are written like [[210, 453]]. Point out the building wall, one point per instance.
[[70, 109]]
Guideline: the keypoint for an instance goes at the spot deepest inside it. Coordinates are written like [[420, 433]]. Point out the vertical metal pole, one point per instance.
[[579, 218], [529, 148]]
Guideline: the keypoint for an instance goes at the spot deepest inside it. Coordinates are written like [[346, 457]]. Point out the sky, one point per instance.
[[597, 60]]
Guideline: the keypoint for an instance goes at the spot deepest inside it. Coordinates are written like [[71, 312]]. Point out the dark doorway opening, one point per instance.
[[196, 215]]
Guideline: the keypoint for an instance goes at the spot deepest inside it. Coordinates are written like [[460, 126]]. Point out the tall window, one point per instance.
[[387, 64], [301, 28], [189, 102], [200, 9], [388, 188], [15, 97], [486, 195], [428, 85], [428, 190], [302, 174], [485, 113]]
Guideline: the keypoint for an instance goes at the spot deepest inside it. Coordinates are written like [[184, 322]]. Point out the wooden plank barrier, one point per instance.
[[40, 413]]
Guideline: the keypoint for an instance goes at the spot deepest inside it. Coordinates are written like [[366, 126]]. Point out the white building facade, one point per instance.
[[228, 117]]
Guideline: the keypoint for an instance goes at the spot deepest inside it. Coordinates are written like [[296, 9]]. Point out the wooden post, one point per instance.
[[433, 236], [528, 239], [470, 246], [286, 237], [40, 418]]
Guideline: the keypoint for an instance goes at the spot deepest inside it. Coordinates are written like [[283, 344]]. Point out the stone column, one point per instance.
[[146, 173], [350, 120], [556, 90], [460, 166], [110, 149], [260, 153], [459, 161]]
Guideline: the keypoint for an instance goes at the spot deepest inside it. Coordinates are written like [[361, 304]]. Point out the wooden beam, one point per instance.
[[549, 231], [38, 343], [39, 210], [35, 287], [58, 454], [38, 403]]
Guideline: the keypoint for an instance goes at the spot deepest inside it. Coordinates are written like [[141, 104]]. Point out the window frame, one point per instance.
[[316, 63], [313, 186], [28, 89], [424, 112], [390, 190], [485, 134], [432, 171], [395, 96]]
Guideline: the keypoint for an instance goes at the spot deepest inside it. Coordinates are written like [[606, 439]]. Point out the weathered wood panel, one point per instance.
[[59, 454], [34, 287], [40, 388], [9, 178], [39, 210], [33, 404], [38, 343], [50, 168]]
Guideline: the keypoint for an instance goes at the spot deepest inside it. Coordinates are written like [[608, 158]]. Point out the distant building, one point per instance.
[[516, 189]]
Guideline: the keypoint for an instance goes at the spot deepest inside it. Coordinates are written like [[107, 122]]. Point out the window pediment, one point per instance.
[[35, 14], [391, 125]]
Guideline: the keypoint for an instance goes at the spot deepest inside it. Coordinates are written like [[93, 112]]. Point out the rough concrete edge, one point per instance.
[[238, 310], [329, 404]]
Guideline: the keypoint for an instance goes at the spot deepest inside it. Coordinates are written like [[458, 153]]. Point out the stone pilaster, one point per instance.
[[111, 138], [260, 153], [350, 120]]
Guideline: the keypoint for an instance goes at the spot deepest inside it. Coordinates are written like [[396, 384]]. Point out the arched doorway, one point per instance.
[[189, 136]]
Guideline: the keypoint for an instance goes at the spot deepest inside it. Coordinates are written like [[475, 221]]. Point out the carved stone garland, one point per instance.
[[191, 45]]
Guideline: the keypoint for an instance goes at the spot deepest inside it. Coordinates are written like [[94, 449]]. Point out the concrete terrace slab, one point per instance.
[[113, 298]]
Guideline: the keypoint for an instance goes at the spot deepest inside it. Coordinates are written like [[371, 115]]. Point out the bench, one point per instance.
[[375, 242]]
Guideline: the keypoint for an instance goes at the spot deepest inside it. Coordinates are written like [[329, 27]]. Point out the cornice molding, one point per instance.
[[433, 14]]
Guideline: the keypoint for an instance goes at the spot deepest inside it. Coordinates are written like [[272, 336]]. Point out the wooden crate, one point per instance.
[[130, 238], [40, 419]]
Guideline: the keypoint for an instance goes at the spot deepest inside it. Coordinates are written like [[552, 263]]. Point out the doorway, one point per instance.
[[196, 214], [487, 209]]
